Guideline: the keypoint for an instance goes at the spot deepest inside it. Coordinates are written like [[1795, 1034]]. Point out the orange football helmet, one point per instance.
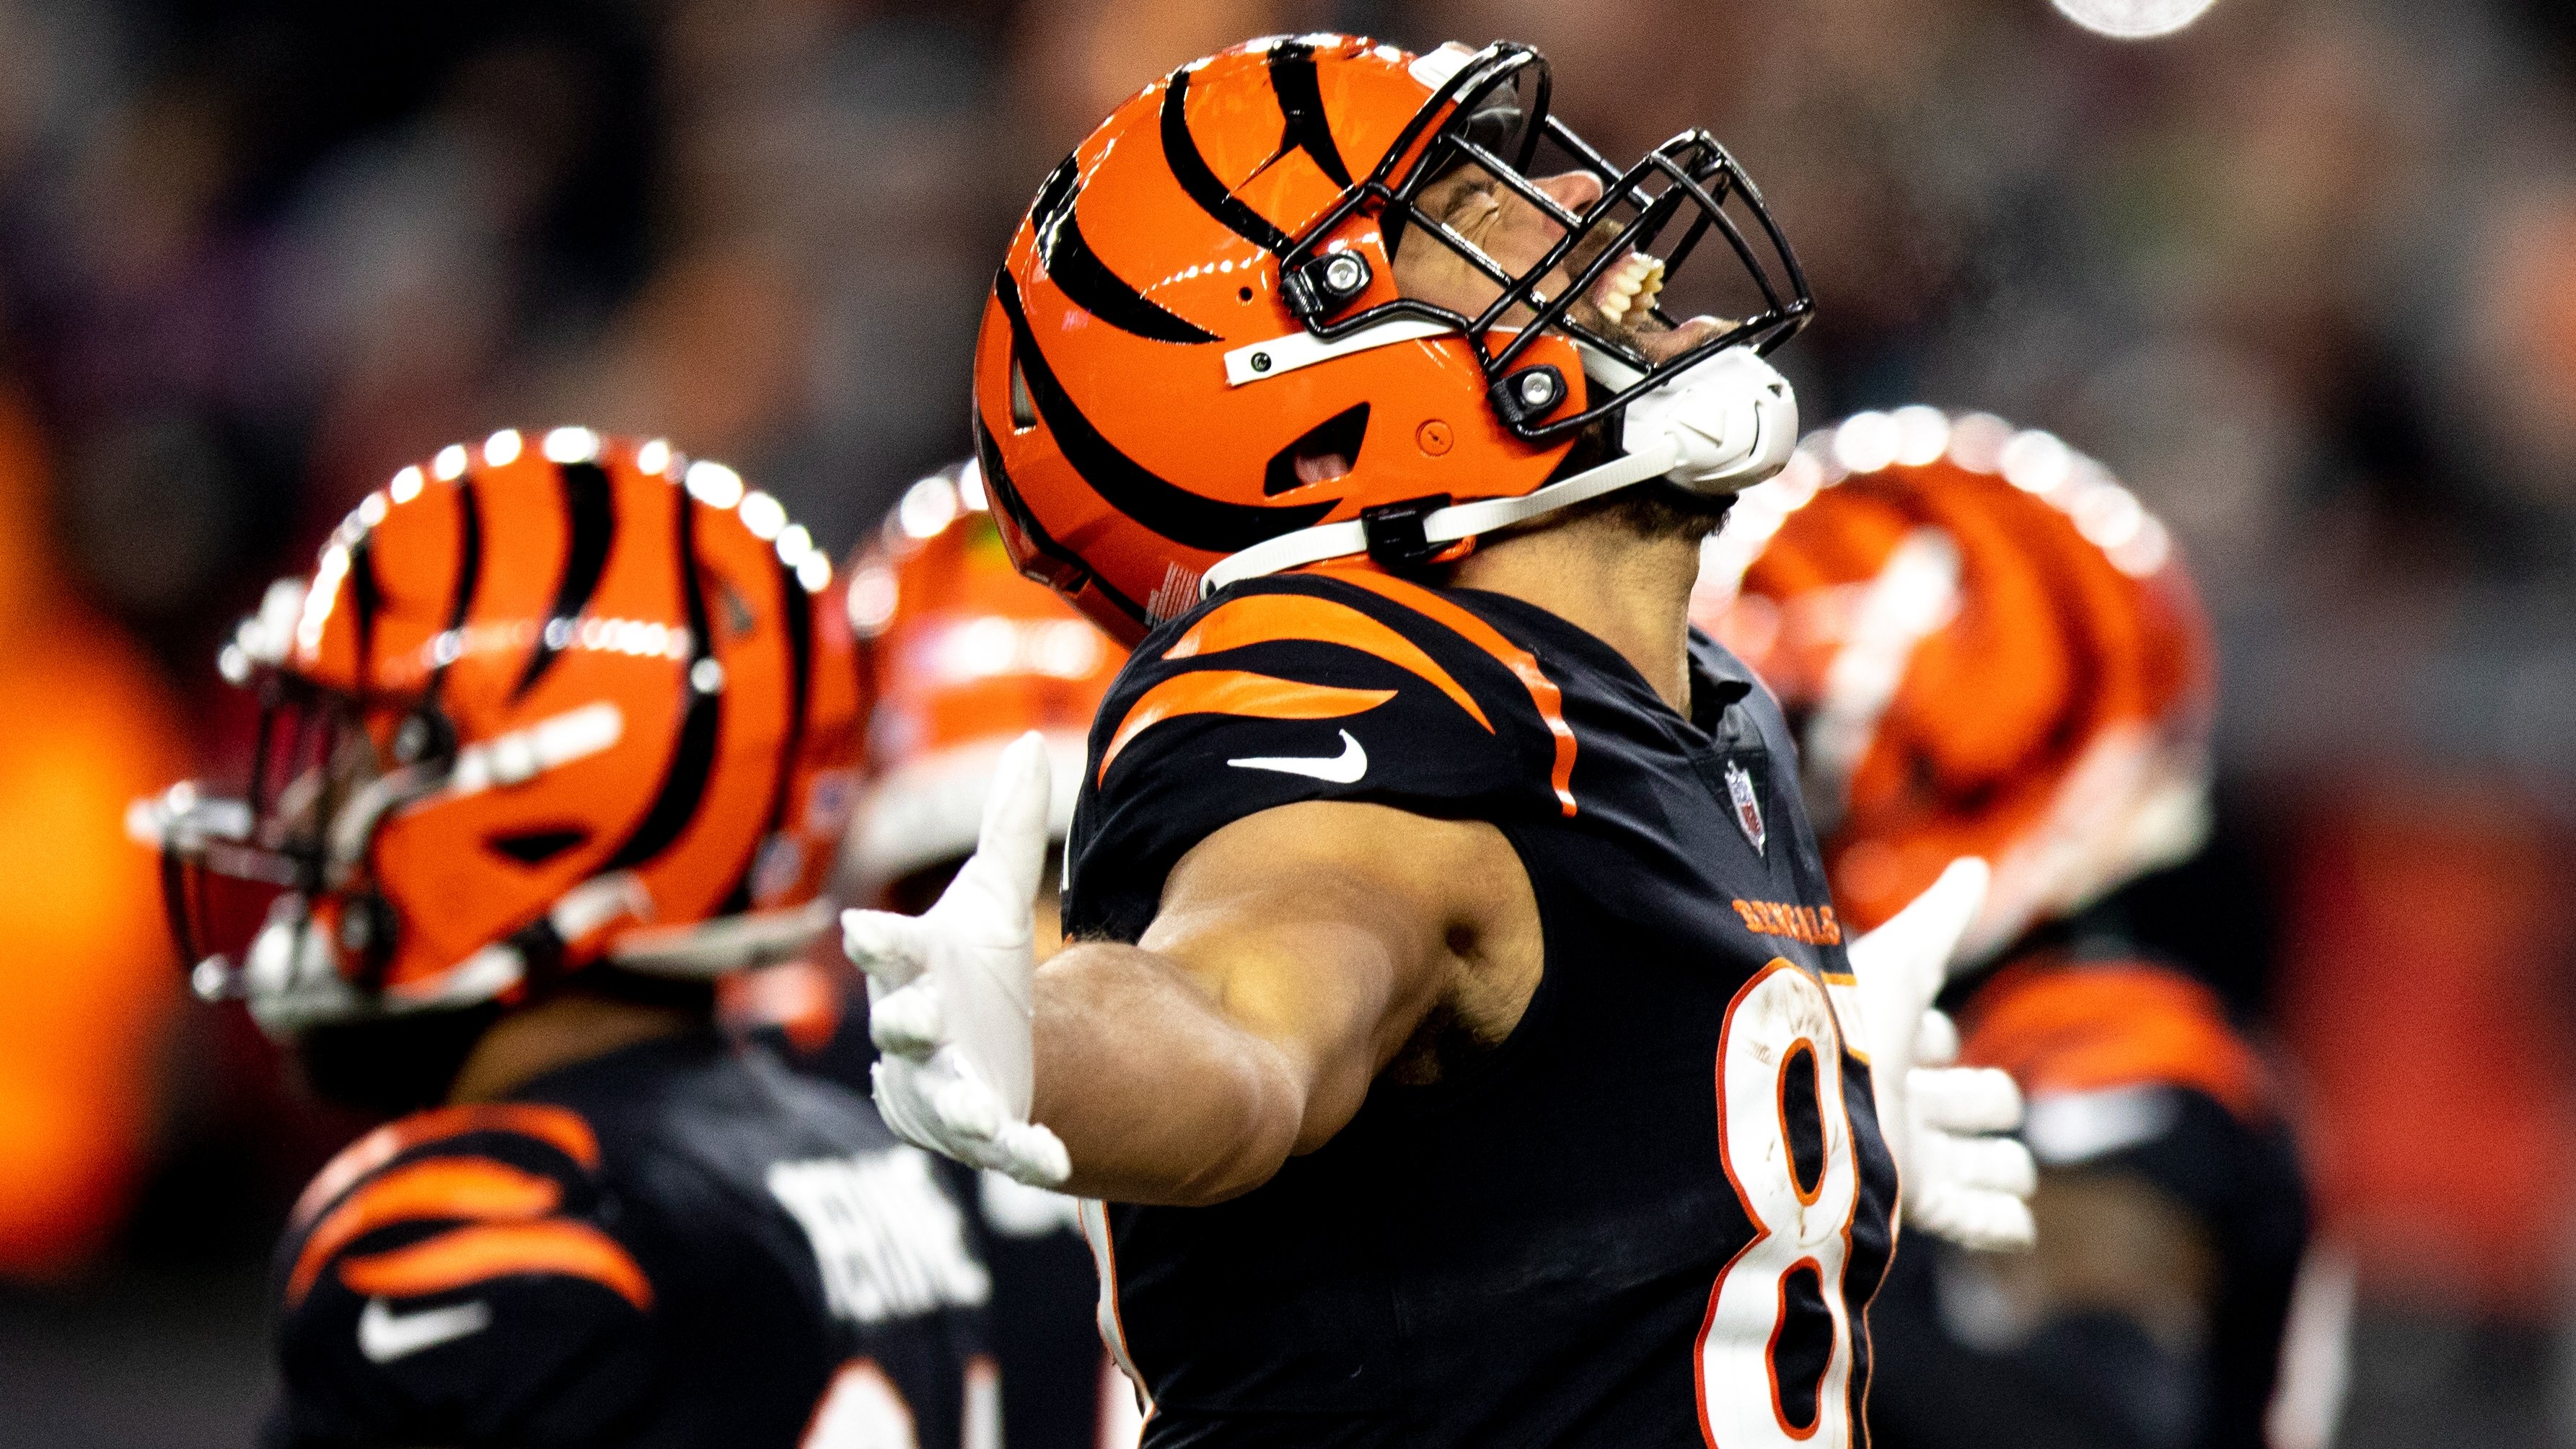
[[1202, 298], [542, 703], [960, 656], [1987, 647]]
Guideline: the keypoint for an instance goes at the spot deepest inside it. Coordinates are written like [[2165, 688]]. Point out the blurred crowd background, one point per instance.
[[2303, 274]]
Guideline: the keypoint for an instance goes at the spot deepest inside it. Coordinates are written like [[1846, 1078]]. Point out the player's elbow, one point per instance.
[[1265, 1115]]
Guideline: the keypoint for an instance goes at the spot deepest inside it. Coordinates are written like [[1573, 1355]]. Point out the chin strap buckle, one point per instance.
[[1395, 532]]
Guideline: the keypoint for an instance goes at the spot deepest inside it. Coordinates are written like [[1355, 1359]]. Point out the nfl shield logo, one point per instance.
[[1748, 808]]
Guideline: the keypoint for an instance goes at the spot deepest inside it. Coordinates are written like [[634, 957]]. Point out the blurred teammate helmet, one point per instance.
[[960, 656], [1196, 365], [543, 702], [1987, 647]]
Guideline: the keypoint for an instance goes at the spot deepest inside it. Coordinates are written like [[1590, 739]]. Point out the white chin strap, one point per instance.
[[1724, 425]]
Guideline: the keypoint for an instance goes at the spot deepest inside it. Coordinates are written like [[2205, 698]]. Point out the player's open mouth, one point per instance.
[[1625, 294], [1621, 304]]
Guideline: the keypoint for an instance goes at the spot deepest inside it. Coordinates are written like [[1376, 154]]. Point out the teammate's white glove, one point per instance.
[[1960, 1181], [948, 991]]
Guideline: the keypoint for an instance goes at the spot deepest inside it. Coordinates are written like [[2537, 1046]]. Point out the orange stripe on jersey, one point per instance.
[[1231, 691], [558, 1127], [472, 1188], [1543, 693], [1262, 618], [494, 1250], [2073, 1028]]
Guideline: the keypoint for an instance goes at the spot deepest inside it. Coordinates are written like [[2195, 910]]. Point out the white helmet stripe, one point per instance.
[[522, 755], [1915, 593]]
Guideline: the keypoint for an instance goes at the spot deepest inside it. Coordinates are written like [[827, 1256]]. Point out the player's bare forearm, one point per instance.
[[1296, 951], [1157, 1096]]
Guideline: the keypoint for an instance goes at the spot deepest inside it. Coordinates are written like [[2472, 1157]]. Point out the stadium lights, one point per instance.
[[2132, 19]]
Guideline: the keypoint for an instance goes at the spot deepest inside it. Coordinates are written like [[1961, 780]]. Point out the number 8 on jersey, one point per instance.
[[1775, 1353]]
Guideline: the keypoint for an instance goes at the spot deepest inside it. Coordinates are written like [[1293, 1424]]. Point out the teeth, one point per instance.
[[1632, 283]]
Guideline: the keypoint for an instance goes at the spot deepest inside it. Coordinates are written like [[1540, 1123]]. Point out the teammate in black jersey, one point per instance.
[[959, 655], [1989, 647], [1454, 1012], [671, 1243], [560, 731]]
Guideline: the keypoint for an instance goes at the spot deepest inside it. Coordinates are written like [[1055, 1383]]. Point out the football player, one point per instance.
[[958, 655], [1453, 1011], [1985, 646], [559, 731]]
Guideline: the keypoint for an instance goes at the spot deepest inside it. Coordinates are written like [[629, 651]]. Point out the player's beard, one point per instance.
[[1653, 510], [1656, 510]]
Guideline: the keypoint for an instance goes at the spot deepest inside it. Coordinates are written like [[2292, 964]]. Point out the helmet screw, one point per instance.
[[1528, 395], [1435, 437], [213, 979], [1319, 285], [1261, 362], [412, 740]]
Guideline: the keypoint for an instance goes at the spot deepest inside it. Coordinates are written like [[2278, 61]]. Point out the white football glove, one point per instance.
[[1960, 1181], [948, 992]]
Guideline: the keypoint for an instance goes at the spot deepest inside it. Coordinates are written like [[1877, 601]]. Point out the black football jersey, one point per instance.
[[2132, 1069], [1655, 1214], [678, 1243]]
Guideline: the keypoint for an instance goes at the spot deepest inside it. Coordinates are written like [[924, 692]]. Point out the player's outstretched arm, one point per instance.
[[1295, 953]]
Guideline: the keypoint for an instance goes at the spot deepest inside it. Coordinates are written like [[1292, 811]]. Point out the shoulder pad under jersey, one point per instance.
[[1323, 686], [2063, 1026], [2133, 1064], [452, 1278]]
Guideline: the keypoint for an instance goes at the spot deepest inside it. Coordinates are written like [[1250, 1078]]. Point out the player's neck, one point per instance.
[[558, 1032], [1597, 574]]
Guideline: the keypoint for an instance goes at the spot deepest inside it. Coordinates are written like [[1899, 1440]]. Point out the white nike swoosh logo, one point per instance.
[[1340, 769], [384, 1335]]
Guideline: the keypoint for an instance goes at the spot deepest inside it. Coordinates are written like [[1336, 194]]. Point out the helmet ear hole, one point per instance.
[[536, 847], [1024, 409], [1327, 451]]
